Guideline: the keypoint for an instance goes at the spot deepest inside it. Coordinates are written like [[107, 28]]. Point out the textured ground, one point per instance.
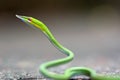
[[16, 71], [95, 42], [21, 56]]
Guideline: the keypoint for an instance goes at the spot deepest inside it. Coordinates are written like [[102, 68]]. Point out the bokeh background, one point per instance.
[[90, 28]]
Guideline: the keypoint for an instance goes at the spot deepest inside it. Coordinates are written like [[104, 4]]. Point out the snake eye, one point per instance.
[[29, 19]]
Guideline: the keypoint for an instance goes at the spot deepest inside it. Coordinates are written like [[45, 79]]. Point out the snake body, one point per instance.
[[69, 72]]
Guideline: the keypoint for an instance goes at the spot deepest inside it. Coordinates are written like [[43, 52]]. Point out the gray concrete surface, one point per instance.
[[90, 28]]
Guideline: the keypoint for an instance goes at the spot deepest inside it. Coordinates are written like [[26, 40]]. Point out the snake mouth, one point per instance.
[[20, 17], [25, 19]]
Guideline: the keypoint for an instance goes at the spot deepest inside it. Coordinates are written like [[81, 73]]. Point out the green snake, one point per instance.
[[69, 72]]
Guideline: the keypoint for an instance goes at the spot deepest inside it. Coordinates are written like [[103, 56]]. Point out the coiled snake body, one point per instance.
[[69, 72]]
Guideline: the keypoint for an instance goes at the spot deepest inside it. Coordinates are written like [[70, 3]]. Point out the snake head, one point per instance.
[[34, 22]]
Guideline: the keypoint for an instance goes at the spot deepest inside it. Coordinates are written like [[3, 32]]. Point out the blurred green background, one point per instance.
[[90, 28]]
